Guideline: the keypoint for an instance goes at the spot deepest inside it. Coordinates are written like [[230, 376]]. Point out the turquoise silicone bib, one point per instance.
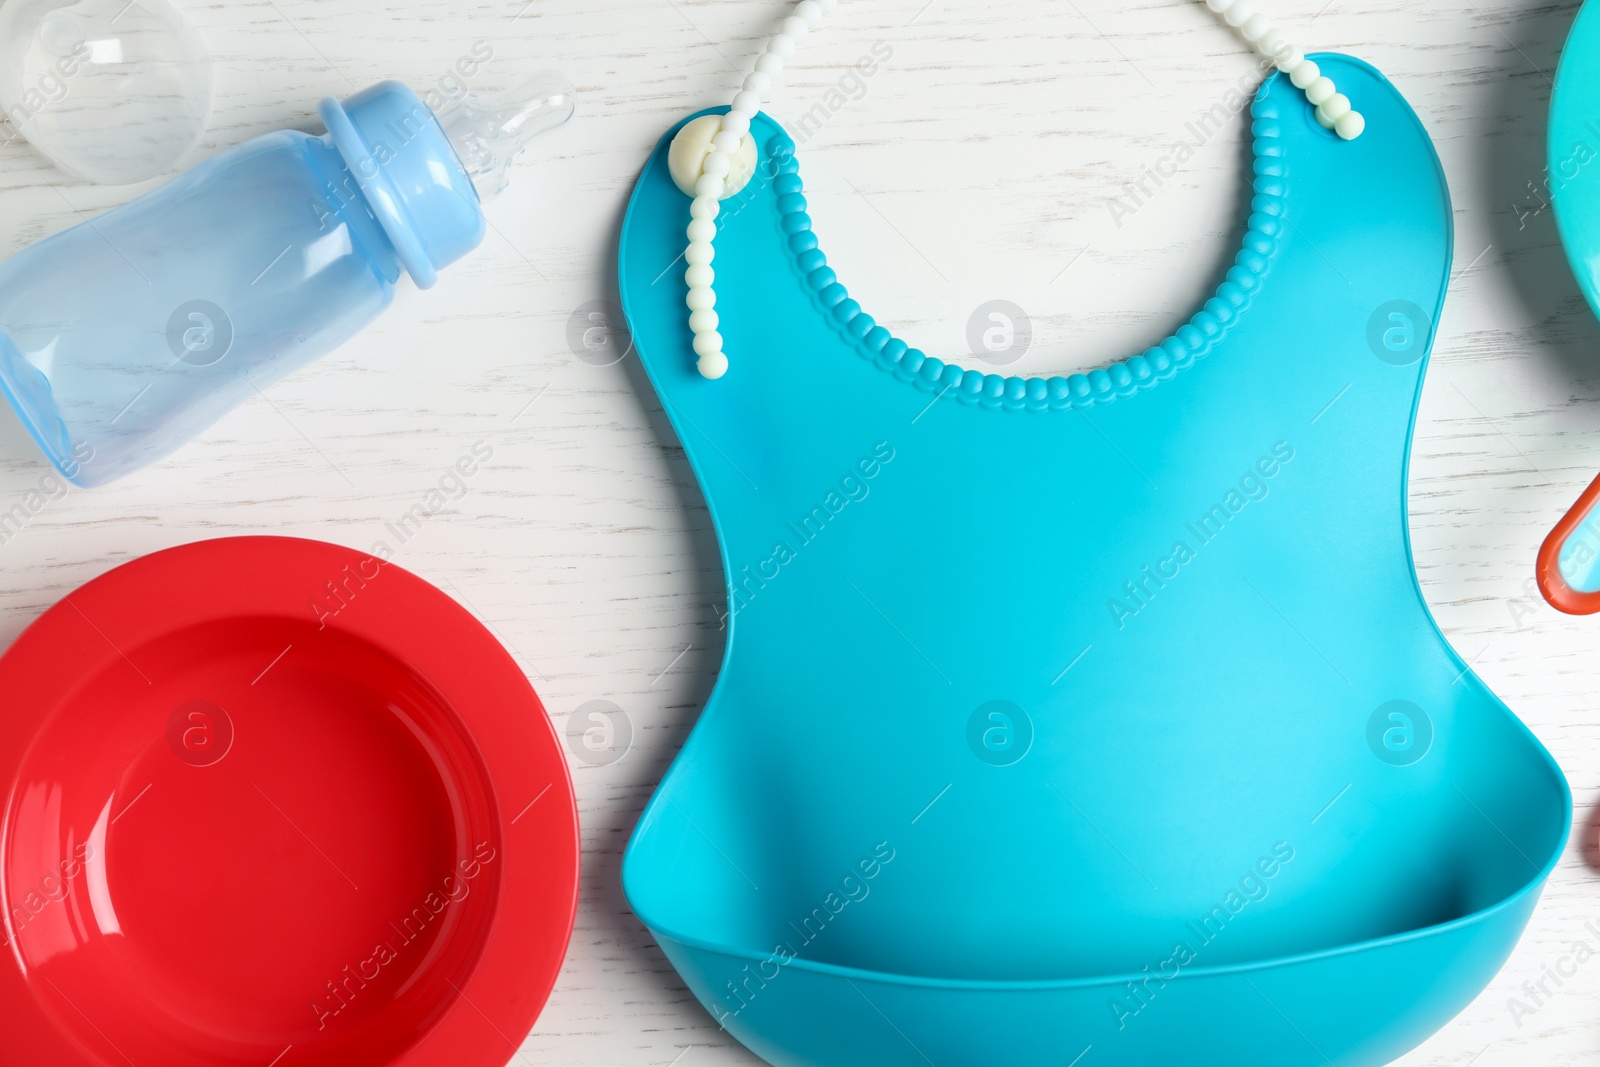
[[1100, 713]]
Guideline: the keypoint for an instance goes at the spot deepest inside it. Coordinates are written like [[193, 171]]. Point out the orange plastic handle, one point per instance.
[[1548, 570]]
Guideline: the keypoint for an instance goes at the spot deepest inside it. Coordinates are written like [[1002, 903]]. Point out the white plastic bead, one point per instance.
[[709, 185], [770, 64], [717, 164], [809, 12], [1322, 120], [1350, 125], [708, 342], [1288, 61], [1274, 45], [1320, 91], [758, 83], [698, 252], [1304, 73], [702, 320], [727, 142], [699, 276], [1334, 108], [701, 231], [1238, 13], [745, 103], [781, 45], [700, 299], [704, 207], [712, 366], [794, 27], [1255, 28], [1218, 6]]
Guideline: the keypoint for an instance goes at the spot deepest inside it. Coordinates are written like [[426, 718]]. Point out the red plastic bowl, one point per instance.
[[273, 803]]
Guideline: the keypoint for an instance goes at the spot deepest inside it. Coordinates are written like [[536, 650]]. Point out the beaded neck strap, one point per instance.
[[712, 157]]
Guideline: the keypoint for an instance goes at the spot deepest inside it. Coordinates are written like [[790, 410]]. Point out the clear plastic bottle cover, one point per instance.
[[110, 91]]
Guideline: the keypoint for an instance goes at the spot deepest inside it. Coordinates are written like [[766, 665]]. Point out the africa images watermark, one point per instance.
[[1197, 133], [342, 590], [348, 193], [53, 85], [1253, 486], [853, 487], [1252, 887], [1541, 192], [852, 889], [352, 980], [52, 888], [851, 86], [50, 488], [1539, 993]]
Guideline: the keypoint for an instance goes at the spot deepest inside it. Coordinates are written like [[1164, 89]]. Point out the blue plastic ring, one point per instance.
[[380, 193]]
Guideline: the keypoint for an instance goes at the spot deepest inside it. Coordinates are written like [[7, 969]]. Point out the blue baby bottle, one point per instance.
[[125, 336]]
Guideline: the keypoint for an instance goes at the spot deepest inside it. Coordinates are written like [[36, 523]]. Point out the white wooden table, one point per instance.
[[978, 163]]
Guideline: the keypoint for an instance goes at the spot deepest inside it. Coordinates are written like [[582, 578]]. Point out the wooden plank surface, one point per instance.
[[980, 161]]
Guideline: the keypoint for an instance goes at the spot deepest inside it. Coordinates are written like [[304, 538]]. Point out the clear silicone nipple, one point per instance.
[[110, 91], [489, 130]]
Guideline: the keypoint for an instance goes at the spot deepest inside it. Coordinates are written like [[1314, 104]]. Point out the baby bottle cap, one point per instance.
[[110, 91], [402, 160], [416, 186], [404, 163], [489, 130]]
